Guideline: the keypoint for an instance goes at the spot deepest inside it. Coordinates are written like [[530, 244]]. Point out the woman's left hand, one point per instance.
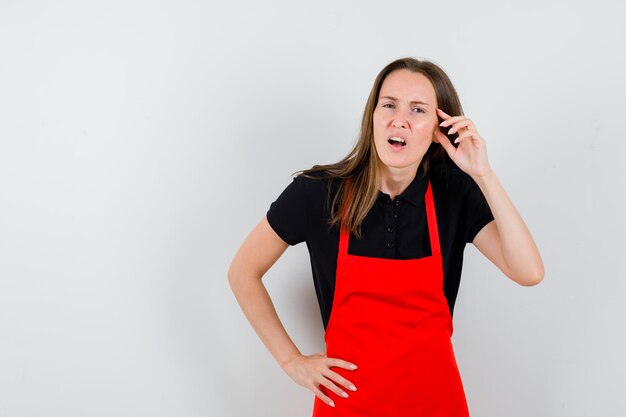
[[471, 154]]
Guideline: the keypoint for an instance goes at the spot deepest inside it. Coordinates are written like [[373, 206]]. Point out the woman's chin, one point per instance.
[[398, 163]]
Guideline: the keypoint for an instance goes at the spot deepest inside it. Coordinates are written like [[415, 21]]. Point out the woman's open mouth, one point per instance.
[[396, 143]]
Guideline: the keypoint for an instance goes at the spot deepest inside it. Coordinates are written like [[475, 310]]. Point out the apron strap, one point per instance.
[[343, 236], [431, 216]]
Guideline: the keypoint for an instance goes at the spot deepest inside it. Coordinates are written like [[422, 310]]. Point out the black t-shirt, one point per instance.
[[392, 229]]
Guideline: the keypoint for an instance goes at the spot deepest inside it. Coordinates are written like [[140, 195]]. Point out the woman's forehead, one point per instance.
[[409, 86]]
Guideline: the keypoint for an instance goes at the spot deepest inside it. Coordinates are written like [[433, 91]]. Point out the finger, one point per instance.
[[334, 388], [339, 379], [464, 135], [445, 142], [443, 114], [340, 363], [453, 119], [322, 396], [458, 125]]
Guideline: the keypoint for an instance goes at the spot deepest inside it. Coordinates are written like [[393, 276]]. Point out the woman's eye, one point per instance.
[[391, 105]]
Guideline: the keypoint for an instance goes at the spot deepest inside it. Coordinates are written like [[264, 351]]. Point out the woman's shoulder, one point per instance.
[[316, 181], [450, 179], [320, 188], [447, 170]]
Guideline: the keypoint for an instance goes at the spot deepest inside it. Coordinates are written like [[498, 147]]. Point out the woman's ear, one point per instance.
[[436, 135], [437, 131]]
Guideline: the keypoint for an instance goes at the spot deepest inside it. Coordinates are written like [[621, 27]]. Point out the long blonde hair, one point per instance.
[[360, 166]]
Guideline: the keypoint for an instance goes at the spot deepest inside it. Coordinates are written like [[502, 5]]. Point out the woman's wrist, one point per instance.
[[288, 360], [485, 178]]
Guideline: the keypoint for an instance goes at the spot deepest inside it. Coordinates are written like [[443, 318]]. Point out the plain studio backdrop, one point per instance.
[[141, 141]]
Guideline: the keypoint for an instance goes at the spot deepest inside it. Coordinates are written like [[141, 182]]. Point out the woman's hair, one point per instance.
[[360, 166]]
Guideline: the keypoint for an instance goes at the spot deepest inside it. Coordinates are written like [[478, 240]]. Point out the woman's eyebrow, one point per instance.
[[412, 102]]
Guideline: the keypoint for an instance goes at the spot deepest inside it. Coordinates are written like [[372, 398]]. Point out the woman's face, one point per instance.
[[406, 109]]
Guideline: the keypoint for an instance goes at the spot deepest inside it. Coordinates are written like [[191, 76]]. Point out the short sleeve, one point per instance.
[[287, 215], [477, 210]]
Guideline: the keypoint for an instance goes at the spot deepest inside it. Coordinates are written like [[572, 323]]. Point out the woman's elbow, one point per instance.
[[530, 278]]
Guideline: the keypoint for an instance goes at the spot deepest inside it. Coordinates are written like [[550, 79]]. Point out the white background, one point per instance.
[[140, 142]]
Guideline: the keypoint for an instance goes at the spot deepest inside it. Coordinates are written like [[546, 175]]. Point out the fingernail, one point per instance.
[[352, 387], [353, 366], [331, 403], [450, 131], [441, 124], [344, 394]]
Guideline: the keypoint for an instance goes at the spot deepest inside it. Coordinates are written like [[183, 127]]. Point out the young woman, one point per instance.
[[386, 228]]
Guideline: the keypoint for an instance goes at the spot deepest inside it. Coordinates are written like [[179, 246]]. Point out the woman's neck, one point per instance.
[[394, 181]]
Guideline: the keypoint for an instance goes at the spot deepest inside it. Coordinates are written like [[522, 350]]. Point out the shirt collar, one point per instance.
[[416, 190]]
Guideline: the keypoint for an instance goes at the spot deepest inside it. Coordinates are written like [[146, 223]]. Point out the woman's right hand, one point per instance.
[[312, 370]]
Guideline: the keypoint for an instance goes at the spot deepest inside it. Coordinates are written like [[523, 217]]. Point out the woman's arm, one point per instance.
[[257, 254], [505, 241]]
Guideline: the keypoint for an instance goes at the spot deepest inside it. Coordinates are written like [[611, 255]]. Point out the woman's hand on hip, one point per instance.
[[471, 154], [312, 370]]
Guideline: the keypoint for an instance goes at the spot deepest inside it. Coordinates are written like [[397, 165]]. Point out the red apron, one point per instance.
[[390, 317]]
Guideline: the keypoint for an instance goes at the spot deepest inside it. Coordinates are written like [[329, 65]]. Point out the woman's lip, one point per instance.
[[397, 136], [396, 148]]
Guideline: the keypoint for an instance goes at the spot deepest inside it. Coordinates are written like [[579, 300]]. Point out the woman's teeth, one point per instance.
[[395, 139]]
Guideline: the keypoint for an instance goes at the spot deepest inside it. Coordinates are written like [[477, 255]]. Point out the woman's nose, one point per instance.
[[399, 123]]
